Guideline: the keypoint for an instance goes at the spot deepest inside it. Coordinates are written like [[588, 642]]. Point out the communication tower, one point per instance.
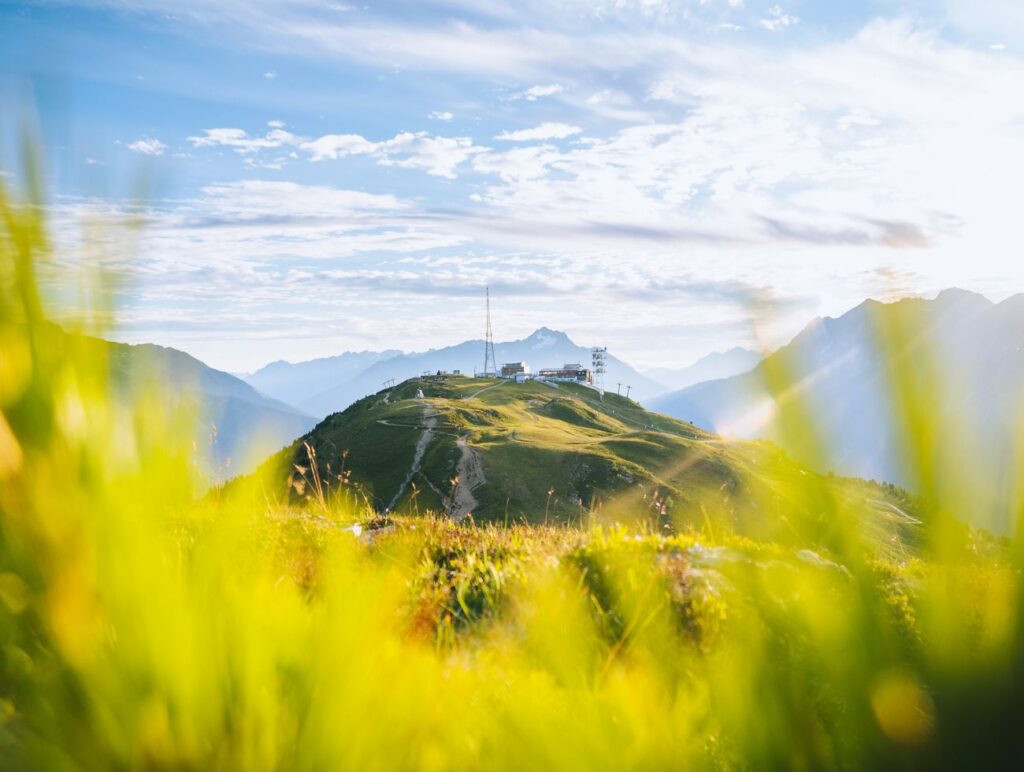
[[598, 357], [490, 363]]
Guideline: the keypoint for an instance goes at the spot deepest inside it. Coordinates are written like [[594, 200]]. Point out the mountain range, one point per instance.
[[235, 426], [300, 382], [718, 364], [838, 373], [965, 355], [238, 423], [325, 386]]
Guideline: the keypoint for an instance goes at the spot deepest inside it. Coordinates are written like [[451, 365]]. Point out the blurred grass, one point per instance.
[[145, 627]]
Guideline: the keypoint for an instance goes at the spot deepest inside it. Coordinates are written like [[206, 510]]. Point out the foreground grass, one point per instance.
[[293, 640], [143, 626]]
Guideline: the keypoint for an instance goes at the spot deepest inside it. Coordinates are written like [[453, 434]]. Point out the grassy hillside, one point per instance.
[[534, 452]]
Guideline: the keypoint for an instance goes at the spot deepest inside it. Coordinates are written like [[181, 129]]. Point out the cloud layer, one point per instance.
[[680, 162]]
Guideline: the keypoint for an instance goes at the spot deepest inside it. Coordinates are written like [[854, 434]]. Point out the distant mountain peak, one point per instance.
[[958, 295], [322, 390], [543, 337], [735, 351], [546, 332]]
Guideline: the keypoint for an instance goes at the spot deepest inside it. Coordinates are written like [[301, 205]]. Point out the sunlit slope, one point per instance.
[[533, 452], [961, 358], [231, 425]]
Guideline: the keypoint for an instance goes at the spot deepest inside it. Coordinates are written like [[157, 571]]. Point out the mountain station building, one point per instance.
[[518, 371], [568, 373]]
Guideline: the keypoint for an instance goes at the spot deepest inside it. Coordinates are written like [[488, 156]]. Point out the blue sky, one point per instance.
[[665, 178]]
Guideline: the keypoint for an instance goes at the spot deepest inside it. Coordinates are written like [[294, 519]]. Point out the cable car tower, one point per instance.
[[490, 363]]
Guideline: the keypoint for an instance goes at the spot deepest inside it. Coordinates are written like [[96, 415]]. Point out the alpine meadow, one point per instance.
[[511, 386]]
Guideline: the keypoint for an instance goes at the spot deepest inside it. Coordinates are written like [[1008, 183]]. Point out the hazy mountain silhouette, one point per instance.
[[967, 351], [297, 382], [236, 426], [718, 364], [320, 392]]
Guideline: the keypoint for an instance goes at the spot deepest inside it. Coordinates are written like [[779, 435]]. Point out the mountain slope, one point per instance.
[[236, 423], [718, 364], [510, 452], [544, 348], [967, 352], [297, 382]]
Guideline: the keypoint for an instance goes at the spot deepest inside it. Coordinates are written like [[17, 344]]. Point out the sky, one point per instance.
[[285, 180]]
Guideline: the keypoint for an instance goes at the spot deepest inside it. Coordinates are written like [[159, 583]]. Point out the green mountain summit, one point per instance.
[[514, 452]]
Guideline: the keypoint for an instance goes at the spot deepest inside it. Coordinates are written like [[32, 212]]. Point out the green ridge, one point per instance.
[[601, 456]]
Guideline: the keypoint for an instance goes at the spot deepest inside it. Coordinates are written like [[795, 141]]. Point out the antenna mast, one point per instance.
[[490, 364]]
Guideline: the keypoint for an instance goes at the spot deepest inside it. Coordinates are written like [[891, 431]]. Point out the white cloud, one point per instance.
[[254, 199], [778, 19], [857, 118], [534, 93], [270, 74], [663, 90], [544, 131], [616, 105], [455, 47], [823, 147], [148, 146], [440, 115], [531, 41], [438, 156], [518, 164], [833, 147], [241, 142], [334, 146], [264, 260], [275, 124]]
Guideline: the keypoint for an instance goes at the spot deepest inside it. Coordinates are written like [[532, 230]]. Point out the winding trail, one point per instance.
[[486, 388], [433, 427], [429, 422], [471, 476], [893, 509]]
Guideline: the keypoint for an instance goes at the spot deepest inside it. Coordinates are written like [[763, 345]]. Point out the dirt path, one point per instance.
[[393, 425], [429, 422], [471, 476], [486, 388], [893, 509]]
